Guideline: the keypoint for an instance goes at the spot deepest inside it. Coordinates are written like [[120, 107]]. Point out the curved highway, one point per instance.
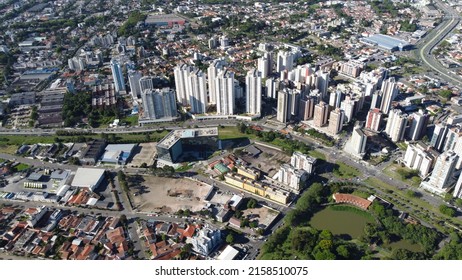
[[450, 21]]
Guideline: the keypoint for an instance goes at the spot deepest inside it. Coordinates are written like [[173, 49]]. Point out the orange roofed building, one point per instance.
[[352, 199]]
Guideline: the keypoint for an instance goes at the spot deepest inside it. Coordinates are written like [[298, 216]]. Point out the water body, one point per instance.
[[340, 222]]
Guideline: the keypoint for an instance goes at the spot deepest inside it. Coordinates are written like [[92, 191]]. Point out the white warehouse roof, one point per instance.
[[228, 254], [88, 178]]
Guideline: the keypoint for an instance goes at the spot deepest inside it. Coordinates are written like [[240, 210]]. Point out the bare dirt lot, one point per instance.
[[268, 161], [168, 195], [264, 215], [144, 153]]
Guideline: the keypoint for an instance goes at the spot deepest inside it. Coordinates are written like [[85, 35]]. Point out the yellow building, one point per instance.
[[250, 173], [258, 188]]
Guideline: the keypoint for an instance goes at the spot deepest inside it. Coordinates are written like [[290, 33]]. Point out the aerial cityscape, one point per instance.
[[231, 130]]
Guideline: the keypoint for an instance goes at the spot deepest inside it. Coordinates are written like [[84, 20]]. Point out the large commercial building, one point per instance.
[[267, 190], [321, 114], [440, 178], [386, 42], [117, 153], [117, 75], [225, 89], [374, 119], [302, 161], [396, 125], [253, 92], [88, 178], [197, 143], [164, 20]]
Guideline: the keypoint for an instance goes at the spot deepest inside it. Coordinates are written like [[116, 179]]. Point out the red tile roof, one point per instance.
[[352, 199]]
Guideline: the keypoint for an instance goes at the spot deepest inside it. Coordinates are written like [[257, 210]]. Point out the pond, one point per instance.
[[406, 244], [340, 222]]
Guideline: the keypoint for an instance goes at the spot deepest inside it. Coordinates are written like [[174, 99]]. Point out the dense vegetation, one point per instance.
[[298, 240], [276, 138], [76, 107], [128, 28]]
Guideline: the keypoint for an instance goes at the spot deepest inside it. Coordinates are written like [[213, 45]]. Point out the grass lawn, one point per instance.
[[231, 132], [402, 146], [317, 154], [131, 120], [391, 171], [8, 149], [21, 139], [153, 136], [184, 168], [345, 171], [416, 202], [22, 166], [10, 143]]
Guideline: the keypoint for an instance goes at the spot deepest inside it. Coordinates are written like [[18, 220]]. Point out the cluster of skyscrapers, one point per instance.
[[219, 87]]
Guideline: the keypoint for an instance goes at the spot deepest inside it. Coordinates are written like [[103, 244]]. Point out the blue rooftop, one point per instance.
[[385, 41]]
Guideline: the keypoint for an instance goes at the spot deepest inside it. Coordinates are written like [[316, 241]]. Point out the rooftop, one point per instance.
[[229, 253], [170, 139], [385, 41], [87, 177]]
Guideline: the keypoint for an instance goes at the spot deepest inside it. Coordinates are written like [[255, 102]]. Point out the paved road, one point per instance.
[[37, 162], [450, 21]]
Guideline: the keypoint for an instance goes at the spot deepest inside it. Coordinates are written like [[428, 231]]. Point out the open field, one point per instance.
[[168, 195], [345, 171], [264, 215], [393, 170], [231, 132], [144, 153]]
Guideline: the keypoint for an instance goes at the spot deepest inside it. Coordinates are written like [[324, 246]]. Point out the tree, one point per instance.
[[230, 238], [458, 202], [448, 211], [448, 197], [411, 193], [252, 203], [253, 224], [343, 252], [244, 222], [123, 220]]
